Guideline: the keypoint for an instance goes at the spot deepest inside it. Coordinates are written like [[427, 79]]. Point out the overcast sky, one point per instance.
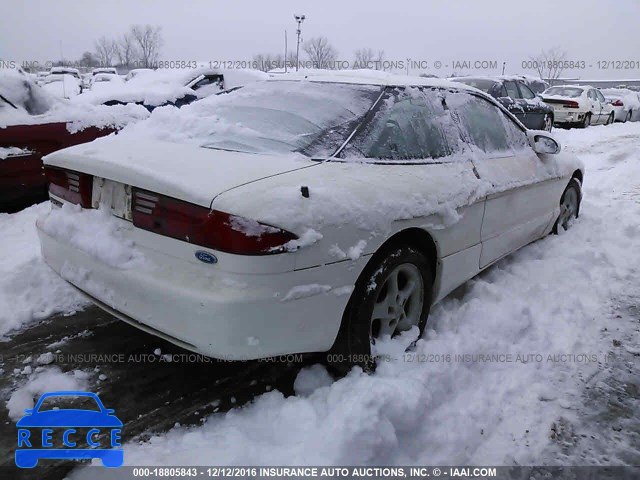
[[436, 30]]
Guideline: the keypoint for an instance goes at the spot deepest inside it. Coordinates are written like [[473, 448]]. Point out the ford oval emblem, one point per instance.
[[206, 257]]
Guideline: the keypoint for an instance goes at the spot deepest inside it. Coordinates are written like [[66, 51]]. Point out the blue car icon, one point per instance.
[[36, 446]]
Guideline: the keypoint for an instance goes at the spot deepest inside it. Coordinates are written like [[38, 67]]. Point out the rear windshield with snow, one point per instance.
[[571, 92], [280, 117]]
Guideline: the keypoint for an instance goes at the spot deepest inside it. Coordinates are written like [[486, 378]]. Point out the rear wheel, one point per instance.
[[392, 295], [628, 117], [569, 206], [586, 121]]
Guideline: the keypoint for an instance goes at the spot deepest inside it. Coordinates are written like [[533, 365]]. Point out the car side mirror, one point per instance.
[[542, 142]]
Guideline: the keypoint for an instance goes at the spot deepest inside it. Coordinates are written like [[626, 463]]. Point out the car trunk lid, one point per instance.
[[182, 171]]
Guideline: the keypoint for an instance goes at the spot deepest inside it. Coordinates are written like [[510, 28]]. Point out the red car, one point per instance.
[[25, 138]]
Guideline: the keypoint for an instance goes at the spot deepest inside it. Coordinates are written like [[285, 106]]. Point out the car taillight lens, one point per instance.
[[74, 187], [208, 228], [569, 104], [618, 103]]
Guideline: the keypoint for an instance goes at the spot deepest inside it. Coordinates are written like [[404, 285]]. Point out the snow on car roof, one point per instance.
[[367, 77]]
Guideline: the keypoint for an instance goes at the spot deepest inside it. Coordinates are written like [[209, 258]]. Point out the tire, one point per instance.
[[611, 119], [586, 121], [547, 123], [569, 206], [374, 292], [628, 117]]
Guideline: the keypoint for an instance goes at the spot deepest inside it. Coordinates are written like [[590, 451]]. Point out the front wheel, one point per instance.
[[628, 117], [611, 119], [392, 295], [548, 123], [569, 206]]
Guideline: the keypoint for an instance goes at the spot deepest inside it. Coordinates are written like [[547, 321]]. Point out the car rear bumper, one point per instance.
[[230, 316], [567, 116]]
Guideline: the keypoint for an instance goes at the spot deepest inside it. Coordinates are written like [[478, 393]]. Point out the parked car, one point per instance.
[[625, 103], [27, 133], [517, 97], [101, 81], [135, 72], [62, 85], [578, 105], [110, 70], [323, 212], [536, 85], [172, 87]]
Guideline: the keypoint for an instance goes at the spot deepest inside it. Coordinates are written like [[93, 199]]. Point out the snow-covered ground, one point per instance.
[[534, 361]]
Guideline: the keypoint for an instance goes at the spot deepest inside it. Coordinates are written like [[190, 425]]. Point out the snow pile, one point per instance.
[[6, 152], [498, 369], [42, 381], [96, 232], [29, 289]]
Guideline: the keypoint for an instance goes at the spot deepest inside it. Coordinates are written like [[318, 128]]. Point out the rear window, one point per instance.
[[483, 84], [279, 117], [571, 92]]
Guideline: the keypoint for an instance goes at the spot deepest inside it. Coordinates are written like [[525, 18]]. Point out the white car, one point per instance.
[[625, 103], [578, 105], [62, 85], [110, 70], [101, 81], [327, 211], [135, 72]]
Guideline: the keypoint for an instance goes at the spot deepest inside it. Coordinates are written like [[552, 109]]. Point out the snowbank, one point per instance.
[[29, 289]]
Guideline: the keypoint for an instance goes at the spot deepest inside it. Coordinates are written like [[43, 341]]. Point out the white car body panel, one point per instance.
[[599, 110]]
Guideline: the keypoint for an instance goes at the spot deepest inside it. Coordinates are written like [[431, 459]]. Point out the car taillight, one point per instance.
[[205, 227], [570, 104], [74, 187], [618, 103]]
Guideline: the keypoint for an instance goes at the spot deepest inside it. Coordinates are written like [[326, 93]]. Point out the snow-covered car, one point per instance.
[[578, 105], [34, 123], [516, 96], [135, 72], [110, 70], [74, 72], [101, 81], [172, 86], [625, 103], [326, 212], [62, 85], [537, 85]]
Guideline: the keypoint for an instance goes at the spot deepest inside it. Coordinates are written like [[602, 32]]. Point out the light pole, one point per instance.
[[299, 19], [504, 64]]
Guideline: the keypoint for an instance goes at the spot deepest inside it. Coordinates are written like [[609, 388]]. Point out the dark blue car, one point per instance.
[[32, 448]]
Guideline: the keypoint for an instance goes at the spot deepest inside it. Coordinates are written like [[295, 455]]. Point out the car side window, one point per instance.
[[600, 96], [481, 123], [512, 90], [408, 125], [503, 91], [591, 95], [526, 92], [208, 80]]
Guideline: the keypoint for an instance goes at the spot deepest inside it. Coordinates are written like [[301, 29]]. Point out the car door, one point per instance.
[[605, 107], [595, 107], [522, 190], [518, 105], [534, 112]]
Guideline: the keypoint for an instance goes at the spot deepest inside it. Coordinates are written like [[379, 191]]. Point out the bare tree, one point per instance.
[[267, 61], [106, 50], [320, 52], [127, 49], [89, 60], [367, 58], [549, 64], [148, 40]]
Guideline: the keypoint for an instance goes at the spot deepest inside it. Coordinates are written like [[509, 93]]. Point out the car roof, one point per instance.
[[367, 77]]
